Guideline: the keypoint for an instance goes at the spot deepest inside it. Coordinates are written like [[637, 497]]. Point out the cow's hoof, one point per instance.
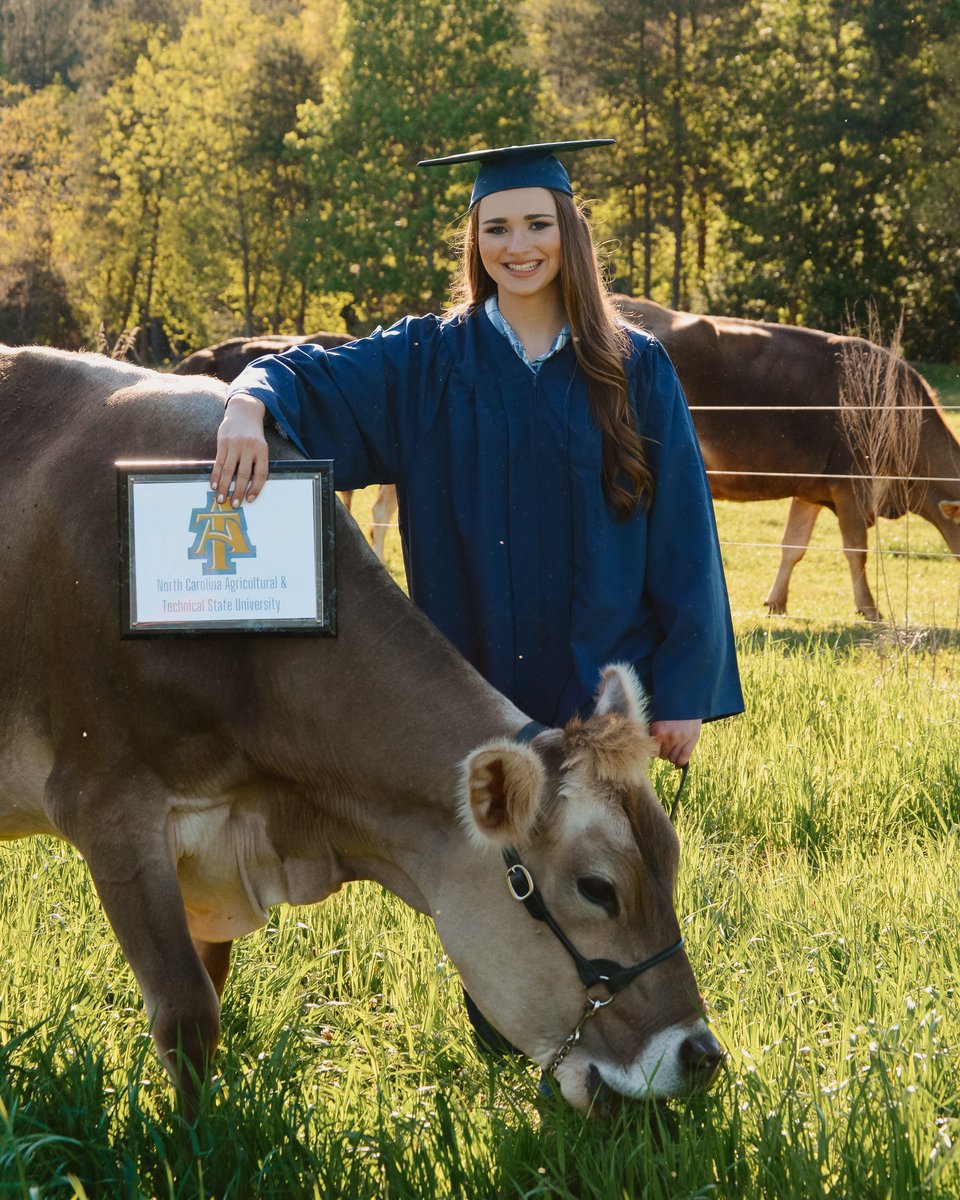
[[776, 608]]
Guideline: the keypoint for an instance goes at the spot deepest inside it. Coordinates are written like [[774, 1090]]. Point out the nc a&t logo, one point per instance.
[[221, 537]]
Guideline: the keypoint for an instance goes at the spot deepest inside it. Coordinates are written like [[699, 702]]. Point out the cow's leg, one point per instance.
[[853, 530], [384, 508], [215, 956], [136, 880], [796, 537], [346, 499]]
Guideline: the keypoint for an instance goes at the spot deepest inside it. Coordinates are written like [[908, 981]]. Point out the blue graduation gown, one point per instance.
[[509, 545]]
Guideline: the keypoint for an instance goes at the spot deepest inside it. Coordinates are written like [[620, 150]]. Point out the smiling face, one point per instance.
[[519, 243]]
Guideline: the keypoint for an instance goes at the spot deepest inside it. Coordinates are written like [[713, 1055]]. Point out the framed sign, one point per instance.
[[189, 565]]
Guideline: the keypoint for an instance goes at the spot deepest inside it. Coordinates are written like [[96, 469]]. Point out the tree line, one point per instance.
[[198, 169]]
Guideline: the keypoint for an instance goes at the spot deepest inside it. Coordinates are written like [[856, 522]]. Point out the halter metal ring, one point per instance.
[[520, 882]]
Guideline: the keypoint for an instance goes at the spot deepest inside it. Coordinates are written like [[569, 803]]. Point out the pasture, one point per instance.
[[820, 898]]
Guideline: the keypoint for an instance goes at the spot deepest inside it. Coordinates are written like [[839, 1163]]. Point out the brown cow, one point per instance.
[[723, 361], [227, 359], [206, 779]]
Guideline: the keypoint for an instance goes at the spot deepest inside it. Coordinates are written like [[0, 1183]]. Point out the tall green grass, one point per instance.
[[820, 897], [820, 894]]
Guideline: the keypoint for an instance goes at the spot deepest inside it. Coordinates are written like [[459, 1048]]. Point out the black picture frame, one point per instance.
[[219, 591]]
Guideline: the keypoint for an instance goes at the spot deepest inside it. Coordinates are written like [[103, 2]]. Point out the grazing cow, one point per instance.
[[723, 361], [205, 779]]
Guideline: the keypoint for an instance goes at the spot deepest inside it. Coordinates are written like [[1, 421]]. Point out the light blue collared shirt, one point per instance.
[[492, 309]]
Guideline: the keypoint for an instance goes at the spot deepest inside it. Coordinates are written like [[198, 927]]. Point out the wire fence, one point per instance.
[[895, 553], [875, 548], [830, 476], [879, 552], [782, 408]]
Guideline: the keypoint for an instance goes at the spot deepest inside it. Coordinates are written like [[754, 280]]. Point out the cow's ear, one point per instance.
[[951, 510], [621, 692], [503, 783]]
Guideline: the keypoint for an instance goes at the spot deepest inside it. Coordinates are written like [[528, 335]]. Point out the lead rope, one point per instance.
[[593, 1006], [676, 799]]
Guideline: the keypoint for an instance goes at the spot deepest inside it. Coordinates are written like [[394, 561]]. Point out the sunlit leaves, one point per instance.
[[414, 81]]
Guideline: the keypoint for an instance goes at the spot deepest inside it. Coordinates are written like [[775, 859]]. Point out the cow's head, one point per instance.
[[578, 809]]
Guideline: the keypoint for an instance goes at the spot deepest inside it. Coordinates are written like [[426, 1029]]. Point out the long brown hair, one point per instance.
[[599, 342]]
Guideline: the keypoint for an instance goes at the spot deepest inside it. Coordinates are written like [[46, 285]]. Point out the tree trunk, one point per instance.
[[679, 154], [632, 241], [143, 339], [647, 172]]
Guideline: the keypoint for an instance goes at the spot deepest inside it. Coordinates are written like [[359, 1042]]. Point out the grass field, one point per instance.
[[820, 898]]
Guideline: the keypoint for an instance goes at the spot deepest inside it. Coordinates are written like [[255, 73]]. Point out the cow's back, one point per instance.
[[765, 398], [77, 700], [53, 400], [65, 419], [227, 359]]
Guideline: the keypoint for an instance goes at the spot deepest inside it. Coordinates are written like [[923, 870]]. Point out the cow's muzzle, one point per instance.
[[700, 1056], [696, 1063]]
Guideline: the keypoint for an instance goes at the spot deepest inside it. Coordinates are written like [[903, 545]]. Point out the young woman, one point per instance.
[[554, 511]]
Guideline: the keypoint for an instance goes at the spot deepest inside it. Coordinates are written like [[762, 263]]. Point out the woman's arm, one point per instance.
[[359, 404], [242, 457]]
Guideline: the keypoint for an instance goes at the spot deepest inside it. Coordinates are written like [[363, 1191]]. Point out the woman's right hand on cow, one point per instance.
[[242, 454]]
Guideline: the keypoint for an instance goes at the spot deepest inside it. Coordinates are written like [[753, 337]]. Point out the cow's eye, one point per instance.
[[599, 891]]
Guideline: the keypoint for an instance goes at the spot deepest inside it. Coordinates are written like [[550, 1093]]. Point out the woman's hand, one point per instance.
[[677, 739], [242, 456]]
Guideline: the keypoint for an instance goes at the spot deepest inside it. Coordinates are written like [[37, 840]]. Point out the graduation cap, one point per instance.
[[511, 167]]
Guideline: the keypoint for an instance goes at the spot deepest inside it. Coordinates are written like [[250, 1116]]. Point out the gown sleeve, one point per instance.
[[360, 404], [694, 667]]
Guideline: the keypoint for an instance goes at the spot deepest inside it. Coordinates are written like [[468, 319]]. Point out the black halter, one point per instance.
[[592, 971]]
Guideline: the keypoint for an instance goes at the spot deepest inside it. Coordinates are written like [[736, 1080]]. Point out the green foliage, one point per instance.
[[773, 158], [111, 35], [232, 65], [37, 40], [647, 73], [393, 101], [200, 202], [235, 168], [34, 188], [936, 279], [835, 115]]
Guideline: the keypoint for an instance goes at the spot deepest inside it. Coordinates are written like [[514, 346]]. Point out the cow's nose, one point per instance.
[[701, 1055]]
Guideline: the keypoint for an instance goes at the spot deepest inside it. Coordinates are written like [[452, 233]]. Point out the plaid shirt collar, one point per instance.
[[492, 309]]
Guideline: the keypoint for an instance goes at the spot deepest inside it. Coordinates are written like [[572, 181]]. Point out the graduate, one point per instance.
[[554, 511]]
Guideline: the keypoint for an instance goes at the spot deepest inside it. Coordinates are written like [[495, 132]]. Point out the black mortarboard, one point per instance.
[[518, 166]]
